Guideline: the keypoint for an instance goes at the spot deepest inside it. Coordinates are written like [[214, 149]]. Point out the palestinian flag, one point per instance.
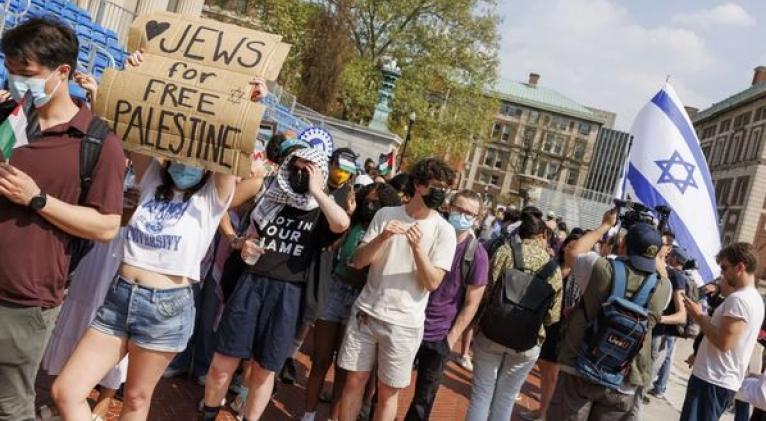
[[386, 163], [13, 131]]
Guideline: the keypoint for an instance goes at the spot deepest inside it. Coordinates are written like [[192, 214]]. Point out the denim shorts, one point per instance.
[[155, 319], [340, 299]]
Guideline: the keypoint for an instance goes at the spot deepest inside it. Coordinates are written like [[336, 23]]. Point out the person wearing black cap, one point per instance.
[[663, 336], [576, 398]]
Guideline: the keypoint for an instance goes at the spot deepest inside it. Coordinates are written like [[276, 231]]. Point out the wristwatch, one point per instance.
[[38, 202]]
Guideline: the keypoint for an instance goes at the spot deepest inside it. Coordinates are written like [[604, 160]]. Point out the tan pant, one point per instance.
[[24, 333], [576, 399]]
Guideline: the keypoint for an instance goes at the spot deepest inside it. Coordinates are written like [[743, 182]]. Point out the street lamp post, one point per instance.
[[406, 140]]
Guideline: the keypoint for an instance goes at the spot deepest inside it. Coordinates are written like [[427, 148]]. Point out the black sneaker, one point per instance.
[[288, 373]]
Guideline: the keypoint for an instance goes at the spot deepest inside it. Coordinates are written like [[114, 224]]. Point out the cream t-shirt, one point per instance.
[[728, 369], [392, 293]]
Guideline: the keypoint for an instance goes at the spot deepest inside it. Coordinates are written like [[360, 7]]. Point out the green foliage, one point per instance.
[[447, 50]]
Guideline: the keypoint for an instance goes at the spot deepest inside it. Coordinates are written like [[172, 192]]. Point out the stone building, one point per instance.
[[731, 134], [539, 138]]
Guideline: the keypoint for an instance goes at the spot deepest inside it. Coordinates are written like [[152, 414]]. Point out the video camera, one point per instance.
[[632, 213]]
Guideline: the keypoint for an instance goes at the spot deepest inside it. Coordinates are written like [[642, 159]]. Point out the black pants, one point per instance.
[[430, 365]]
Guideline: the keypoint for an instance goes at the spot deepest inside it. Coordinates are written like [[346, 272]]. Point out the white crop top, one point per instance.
[[172, 237]]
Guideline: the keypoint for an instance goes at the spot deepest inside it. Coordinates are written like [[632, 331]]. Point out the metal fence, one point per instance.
[[110, 15], [578, 207]]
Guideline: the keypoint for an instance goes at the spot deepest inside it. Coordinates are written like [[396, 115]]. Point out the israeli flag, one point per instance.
[[666, 167]]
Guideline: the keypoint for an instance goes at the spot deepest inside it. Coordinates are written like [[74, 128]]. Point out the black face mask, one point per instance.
[[368, 211], [299, 180], [434, 198]]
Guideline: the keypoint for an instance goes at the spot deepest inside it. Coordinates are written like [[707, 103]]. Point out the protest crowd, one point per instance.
[[119, 268]]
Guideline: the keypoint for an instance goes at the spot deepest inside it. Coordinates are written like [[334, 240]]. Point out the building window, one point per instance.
[[529, 137], [725, 126], [732, 218], [496, 129], [547, 169], [735, 149], [507, 109], [742, 120], [534, 117], [572, 177], [553, 144], [579, 150], [559, 122], [740, 190], [584, 128], [571, 125], [760, 114], [718, 149], [494, 180], [708, 132], [755, 144], [722, 191], [706, 152]]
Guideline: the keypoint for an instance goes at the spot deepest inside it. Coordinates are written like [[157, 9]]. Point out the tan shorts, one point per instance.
[[368, 339]]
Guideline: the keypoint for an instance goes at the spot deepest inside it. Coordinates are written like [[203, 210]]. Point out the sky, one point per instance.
[[616, 54]]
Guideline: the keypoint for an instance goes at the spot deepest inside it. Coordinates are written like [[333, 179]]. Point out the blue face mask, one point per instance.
[[19, 85], [460, 221], [185, 176]]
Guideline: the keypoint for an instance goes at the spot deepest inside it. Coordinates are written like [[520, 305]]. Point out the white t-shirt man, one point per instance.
[[728, 369], [393, 293]]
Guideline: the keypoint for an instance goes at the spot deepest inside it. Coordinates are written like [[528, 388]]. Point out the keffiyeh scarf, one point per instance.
[[279, 193]]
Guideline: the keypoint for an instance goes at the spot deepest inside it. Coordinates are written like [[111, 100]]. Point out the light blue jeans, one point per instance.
[[498, 374]]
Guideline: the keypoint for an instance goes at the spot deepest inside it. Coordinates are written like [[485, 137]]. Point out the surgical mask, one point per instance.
[[299, 180], [434, 198], [461, 222], [185, 176], [19, 85]]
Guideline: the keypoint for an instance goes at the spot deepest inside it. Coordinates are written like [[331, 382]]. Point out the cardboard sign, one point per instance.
[[189, 101]]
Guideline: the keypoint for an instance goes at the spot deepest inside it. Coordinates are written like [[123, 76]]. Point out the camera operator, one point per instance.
[[575, 396]]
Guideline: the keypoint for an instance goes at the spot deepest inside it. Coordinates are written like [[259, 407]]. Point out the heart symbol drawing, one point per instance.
[[154, 28]]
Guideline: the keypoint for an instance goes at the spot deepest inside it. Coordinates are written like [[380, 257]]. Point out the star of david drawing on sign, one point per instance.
[[677, 172]]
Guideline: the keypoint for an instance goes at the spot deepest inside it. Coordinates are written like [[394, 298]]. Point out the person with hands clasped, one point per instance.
[[408, 249], [291, 222]]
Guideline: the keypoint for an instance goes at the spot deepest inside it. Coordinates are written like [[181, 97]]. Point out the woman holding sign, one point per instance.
[[149, 309]]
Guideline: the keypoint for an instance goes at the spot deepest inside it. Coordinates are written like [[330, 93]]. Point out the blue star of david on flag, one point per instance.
[[667, 176]]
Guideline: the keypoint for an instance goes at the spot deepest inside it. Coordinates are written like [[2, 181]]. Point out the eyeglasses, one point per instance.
[[463, 211]]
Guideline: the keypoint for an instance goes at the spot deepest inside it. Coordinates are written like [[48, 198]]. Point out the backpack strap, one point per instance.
[[619, 278], [468, 257], [518, 254], [547, 270], [90, 151], [641, 297]]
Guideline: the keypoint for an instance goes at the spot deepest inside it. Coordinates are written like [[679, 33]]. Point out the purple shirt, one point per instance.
[[447, 300]]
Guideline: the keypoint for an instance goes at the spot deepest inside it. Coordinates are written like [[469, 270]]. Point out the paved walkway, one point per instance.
[[176, 399]]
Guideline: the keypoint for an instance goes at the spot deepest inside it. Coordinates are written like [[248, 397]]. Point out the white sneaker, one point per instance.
[[309, 416], [465, 362]]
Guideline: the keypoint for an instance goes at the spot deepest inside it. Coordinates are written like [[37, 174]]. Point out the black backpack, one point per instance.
[[90, 151], [518, 304]]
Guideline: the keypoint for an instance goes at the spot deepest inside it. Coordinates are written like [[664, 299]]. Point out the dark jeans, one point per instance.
[[705, 401], [430, 365], [24, 333], [199, 353], [741, 411]]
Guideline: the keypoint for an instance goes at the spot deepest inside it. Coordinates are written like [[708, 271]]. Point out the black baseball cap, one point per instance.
[[680, 254], [643, 242]]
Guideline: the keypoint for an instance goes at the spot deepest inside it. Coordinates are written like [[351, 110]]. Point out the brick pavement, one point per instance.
[[176, 399]]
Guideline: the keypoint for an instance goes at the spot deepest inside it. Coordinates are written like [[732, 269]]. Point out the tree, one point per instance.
[[447, 50]]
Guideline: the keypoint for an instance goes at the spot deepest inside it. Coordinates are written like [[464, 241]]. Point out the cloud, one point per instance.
[[728, 14], [594, 52]]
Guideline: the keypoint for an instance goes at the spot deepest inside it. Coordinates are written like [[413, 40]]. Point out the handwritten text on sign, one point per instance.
[[189, 99]]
